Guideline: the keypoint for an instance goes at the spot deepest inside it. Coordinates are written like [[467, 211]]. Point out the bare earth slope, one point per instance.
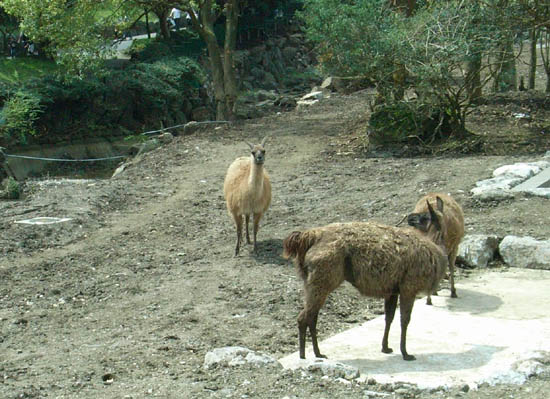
[[124, 300]]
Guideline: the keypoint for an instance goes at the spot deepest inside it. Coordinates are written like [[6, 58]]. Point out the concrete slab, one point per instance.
[[494, 332], [540, 180]]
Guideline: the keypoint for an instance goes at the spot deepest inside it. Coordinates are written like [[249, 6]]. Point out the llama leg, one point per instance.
[[239, 223], [302, 329], [314, 300], [452, 273], [257, 217], [313, 332], [390, 304], [247, 217], [429, 299], [405, 308], [308, 318]]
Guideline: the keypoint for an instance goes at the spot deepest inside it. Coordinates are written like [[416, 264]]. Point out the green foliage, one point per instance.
[[149, 49], [53, 108], [354, 37], [408, 122], [426, 53], [11, 188], [18, 70], [19, 115]]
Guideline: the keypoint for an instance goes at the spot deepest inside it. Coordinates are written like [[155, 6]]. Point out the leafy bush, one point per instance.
[[53, 109], [19, 115], [434, 52], [11, 188], [408, 122]]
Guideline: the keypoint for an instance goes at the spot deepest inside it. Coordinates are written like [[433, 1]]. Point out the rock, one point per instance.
[[237, 355], [525, 252], [146, 146], [334, 369], [119, 170], [306, 103], [165, 137], [521, 170], [477, 250], [286, 102], [262, 95], [538, 192], [504, 182], [491, 194], [375, 394], [333, 83], [314, 95], [326, 92], [506, 177]]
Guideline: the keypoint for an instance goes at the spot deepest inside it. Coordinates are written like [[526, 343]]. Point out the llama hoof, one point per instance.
[[453, 294], [387, 350], [408, 357], [429, 301]]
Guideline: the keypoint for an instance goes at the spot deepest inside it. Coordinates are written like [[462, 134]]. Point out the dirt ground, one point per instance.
[[125, 299]]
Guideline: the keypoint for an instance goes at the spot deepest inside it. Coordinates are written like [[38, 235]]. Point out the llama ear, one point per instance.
[[433, 216], [439, 204], [264, 140], [250, 145]]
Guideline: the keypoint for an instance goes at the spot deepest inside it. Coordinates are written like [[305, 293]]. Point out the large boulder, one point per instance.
[[477, 250], [526, 252]]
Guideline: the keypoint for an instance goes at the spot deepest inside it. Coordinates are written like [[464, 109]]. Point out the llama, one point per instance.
[[454, 221], [378, 260], [247, 191]]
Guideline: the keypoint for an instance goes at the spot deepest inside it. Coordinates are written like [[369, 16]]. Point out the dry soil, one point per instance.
[[125, 299]]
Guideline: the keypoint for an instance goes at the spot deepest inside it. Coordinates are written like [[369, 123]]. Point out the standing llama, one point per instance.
[[247, 191], [378, 260], [454, 220]]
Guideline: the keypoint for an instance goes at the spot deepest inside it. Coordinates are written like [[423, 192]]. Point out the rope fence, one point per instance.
[[162, 130], [65, 160]]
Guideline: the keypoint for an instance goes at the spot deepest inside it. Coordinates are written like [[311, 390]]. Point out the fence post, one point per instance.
[[4, 162]]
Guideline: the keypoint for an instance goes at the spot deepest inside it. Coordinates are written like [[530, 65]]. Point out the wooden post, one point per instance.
[[4, 162]]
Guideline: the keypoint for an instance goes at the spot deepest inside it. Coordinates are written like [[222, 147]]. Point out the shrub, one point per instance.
[[18, 116], [408, 122], [11, 188], [53, 109]]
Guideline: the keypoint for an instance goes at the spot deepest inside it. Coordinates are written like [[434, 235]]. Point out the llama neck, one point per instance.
[[256, 177]]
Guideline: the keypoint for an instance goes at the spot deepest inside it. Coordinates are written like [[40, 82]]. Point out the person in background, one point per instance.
[[175, 16]]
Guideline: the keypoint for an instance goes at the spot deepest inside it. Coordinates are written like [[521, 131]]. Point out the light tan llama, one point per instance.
[[454, 220], [247, 191]]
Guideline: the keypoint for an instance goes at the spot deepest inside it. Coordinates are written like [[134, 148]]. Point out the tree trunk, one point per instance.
[[162, 14], [506, 80], [222, 68], [473, 78], [206, 31], [533, 57], [230, 80], [147, 27], [545, 55]]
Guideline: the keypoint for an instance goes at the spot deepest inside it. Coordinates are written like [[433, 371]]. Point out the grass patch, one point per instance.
[[20, 69]]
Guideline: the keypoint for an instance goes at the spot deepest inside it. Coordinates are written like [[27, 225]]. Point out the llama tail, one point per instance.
[[296, 245]]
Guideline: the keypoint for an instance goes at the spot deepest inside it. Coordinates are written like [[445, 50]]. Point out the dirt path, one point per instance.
[[142, 282]]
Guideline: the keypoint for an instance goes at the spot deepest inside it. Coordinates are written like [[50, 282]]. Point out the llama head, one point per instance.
[[258, 151]]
